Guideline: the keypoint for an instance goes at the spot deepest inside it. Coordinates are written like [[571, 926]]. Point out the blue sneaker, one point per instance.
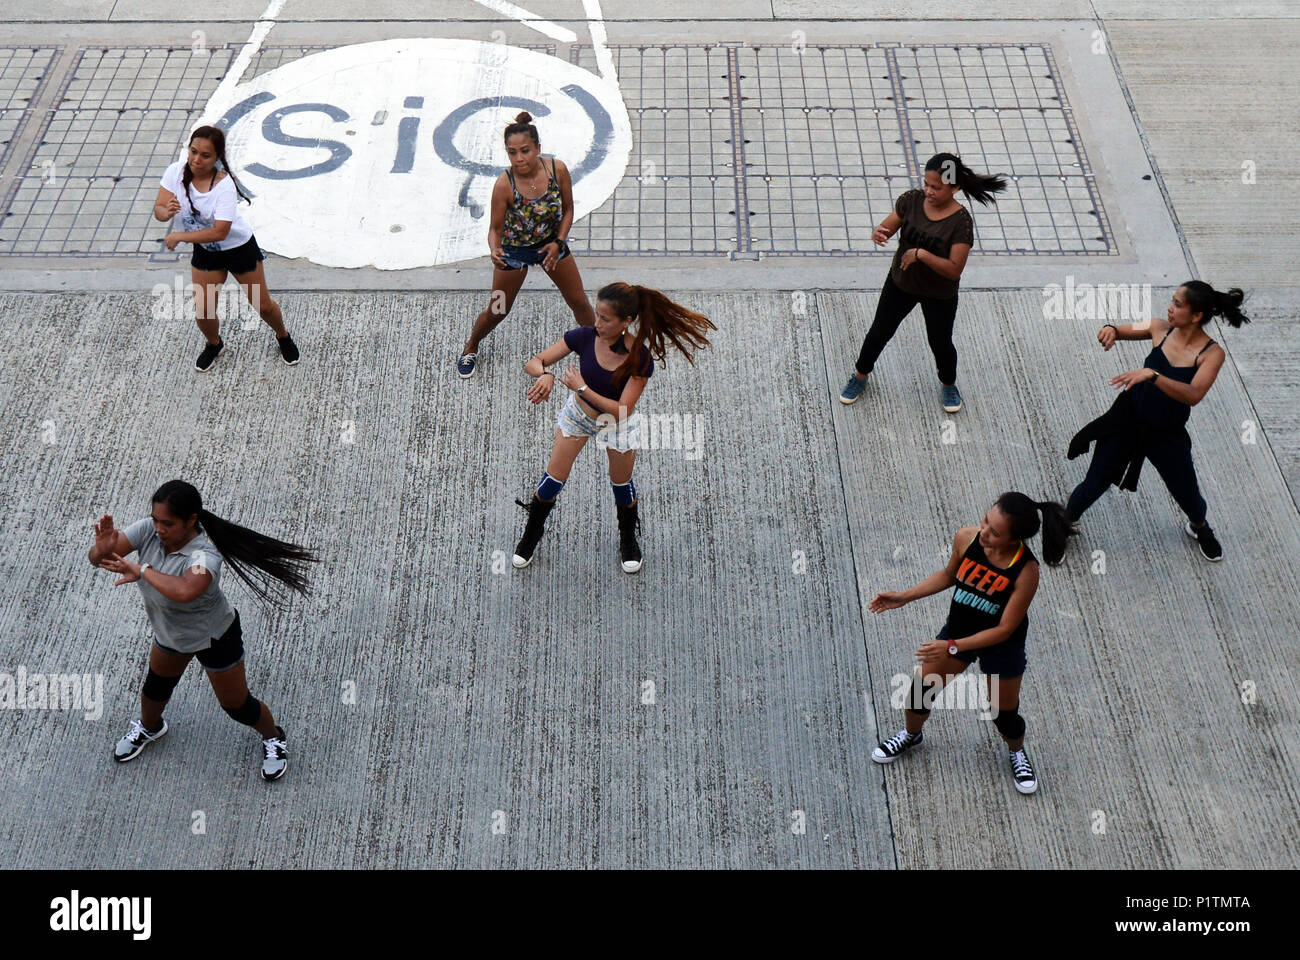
[[853, 389], [951, 399], [466, 364]]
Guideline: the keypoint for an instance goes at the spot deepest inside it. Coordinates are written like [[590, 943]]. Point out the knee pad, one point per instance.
[[624, 493], [923, 693], [158, 687], [1010, 723], [248, 714], [549, 488]]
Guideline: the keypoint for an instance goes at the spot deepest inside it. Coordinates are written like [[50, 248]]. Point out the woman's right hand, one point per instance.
[[888, 600], [880, 235], [1106, 337], [541, 388], [499, 258], [105, 535]]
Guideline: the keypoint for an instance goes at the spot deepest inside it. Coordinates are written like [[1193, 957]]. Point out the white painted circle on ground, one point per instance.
[[384, 154]]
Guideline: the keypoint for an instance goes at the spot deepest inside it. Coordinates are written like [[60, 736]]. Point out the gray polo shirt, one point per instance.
[[184, 627]]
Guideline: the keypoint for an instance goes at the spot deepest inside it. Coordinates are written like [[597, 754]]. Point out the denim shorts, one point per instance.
[[521, 258], [573, 421]]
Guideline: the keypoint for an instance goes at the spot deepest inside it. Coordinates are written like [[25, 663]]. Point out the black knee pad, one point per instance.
[[1010, 723], [248, 714], [159, 688], [922, 693]]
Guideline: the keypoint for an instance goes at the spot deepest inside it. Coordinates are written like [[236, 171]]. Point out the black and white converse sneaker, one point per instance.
[[1023, 771], [288, 349], [276, 759], [209, 355], [1210, 548], [136, 739], [890, 750]]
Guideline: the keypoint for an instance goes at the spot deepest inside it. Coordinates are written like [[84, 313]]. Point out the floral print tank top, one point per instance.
[[530, 223]]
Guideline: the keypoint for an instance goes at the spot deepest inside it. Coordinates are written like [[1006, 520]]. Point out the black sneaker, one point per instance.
[[1210, 547], [629, 550], [538, 511], [1023, 771], [275, 759], [891, 749], [288, 349], [209, 355]]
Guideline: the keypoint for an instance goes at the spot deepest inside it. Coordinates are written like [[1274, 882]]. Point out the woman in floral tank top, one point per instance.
[[532, 211]]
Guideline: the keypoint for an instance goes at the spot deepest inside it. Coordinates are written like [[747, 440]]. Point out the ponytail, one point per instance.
[[979, 187], [255, 558], [661, 322], [1208, 302], [1056, 525]]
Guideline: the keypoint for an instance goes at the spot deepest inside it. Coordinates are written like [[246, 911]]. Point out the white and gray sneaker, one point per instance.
[[136, 739], [890, 750], [276, 758], [1023, 771]]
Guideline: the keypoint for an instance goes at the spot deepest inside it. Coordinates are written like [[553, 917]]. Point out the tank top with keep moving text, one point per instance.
[[982, 592]]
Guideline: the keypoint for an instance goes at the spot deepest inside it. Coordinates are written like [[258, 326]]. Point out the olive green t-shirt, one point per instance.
[[937, 236]]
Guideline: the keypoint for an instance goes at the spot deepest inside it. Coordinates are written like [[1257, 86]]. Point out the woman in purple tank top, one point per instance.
[[613, 370]]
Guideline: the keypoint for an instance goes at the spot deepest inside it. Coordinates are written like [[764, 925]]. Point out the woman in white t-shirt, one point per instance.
[[201, 194]]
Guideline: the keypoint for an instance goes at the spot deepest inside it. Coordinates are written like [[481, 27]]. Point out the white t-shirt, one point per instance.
[[219, 203]]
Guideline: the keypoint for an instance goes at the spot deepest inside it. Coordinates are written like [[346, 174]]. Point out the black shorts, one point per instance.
[[238, 260], [226, 651], [1005, 659]]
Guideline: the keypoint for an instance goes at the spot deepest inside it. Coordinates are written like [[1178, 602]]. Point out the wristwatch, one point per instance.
[[952, 647], [143, 568], [582, 388]]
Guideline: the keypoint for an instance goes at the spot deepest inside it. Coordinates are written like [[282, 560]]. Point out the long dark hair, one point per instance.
[[256, 559], [662, 322], [218, 139], [1205, 300], [979, 187], [523, 124], [1023, 513]]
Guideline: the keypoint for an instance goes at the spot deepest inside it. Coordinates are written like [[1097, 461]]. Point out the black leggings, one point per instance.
[[893, 306], [1172, 459]]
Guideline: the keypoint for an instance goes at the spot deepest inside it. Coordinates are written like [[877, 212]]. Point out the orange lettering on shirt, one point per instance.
[[966, 564], [999, 584], [986, 581]]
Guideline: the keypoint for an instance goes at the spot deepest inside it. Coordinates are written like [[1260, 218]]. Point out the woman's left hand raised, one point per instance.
[[573, 379]]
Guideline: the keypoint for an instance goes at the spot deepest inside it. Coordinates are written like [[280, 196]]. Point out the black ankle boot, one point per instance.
[[628, 525], [538, 511]]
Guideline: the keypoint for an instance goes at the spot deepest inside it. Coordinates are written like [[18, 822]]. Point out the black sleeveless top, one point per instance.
[[982, 592], [1152, 405]]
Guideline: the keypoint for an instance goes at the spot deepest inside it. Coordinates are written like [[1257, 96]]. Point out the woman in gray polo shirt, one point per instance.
[[182, 549]]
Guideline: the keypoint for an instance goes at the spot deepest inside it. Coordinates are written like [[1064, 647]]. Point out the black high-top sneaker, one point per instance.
[[629, 550], [538, 511]]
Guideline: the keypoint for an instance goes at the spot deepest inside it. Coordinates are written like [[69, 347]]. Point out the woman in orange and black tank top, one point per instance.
[[995, 576]]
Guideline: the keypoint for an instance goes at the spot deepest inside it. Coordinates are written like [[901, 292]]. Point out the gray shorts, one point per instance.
[[622, 436]]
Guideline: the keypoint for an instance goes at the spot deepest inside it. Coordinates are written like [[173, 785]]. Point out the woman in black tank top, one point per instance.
[[994, 576], [1147, 421]]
